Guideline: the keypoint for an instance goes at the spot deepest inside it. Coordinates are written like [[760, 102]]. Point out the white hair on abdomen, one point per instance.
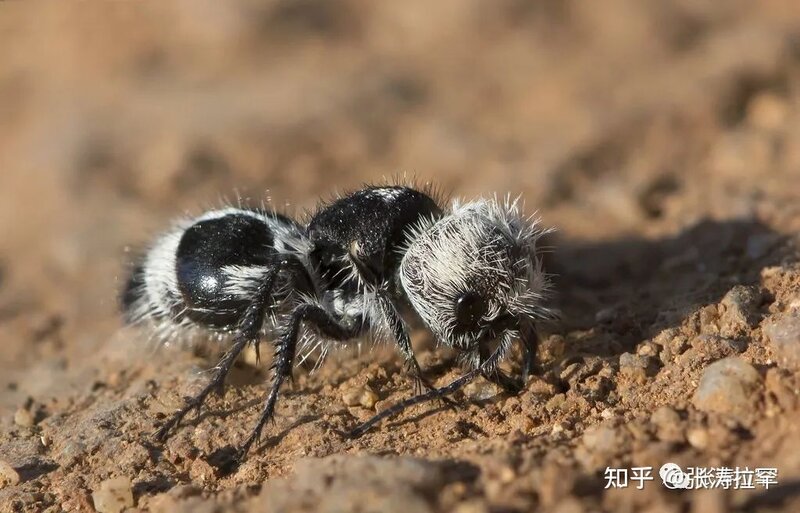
[[158, 298]]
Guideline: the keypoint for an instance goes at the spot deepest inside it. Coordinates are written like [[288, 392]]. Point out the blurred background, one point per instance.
[[631, 117], [617, 120]]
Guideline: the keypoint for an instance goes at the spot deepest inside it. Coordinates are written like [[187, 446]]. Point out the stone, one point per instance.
[[481, 390], [668, 424], [783, 333], [740, 311], [728, 386], [636, 366], [8, 475], [647, 349], [113, 495], [552, 348], [714, 347], [598, 446], [601, 439], [778, 385], [767, 111], [23, 418], [697, 438], [362, 396], [202, 471]]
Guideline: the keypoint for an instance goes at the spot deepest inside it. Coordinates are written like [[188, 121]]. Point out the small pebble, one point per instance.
[[629, 360], [185, 491], [201, 471], [678, 345], [360, 396], [647, 349], [740, 310], [368, 399], [595, 388], [481, 390], [666, 336], [598, 446], [728, 386], [71, 452], [506, 475], [697, 438], [114, 379], [715, 347], [778, 384], [601, 439], [638, 431], [569, 371], [539, 387], [527, 424], [552, 348], [783, 333], [8, 476], [709, 319], [555, 402], [668, 424], [635, 366], [767, 111], [23, 418], [113, 495]]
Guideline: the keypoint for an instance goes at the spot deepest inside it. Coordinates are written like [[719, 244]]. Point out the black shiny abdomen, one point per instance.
[[371, 223], [205, 249]]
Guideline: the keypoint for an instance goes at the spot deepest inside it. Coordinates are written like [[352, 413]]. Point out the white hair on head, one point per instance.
[[484, 247]]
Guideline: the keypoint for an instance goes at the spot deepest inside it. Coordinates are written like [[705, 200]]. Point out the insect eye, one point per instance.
[[470, 309]]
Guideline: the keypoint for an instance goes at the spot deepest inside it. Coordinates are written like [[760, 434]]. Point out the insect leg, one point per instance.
[[401, 336], [529, 337], [321, 320], [529, 340], [435, 393], [247, 332]]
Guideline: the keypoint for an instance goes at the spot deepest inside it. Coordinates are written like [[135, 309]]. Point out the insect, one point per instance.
[[472, 273]]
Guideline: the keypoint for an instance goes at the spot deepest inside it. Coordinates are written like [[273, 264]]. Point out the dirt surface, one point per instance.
[[662, 139]]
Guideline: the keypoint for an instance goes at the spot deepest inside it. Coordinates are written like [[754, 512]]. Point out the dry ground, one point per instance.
[[661, 138]]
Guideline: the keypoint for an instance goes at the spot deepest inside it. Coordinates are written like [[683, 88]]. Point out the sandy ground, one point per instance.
[[662, 139]]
